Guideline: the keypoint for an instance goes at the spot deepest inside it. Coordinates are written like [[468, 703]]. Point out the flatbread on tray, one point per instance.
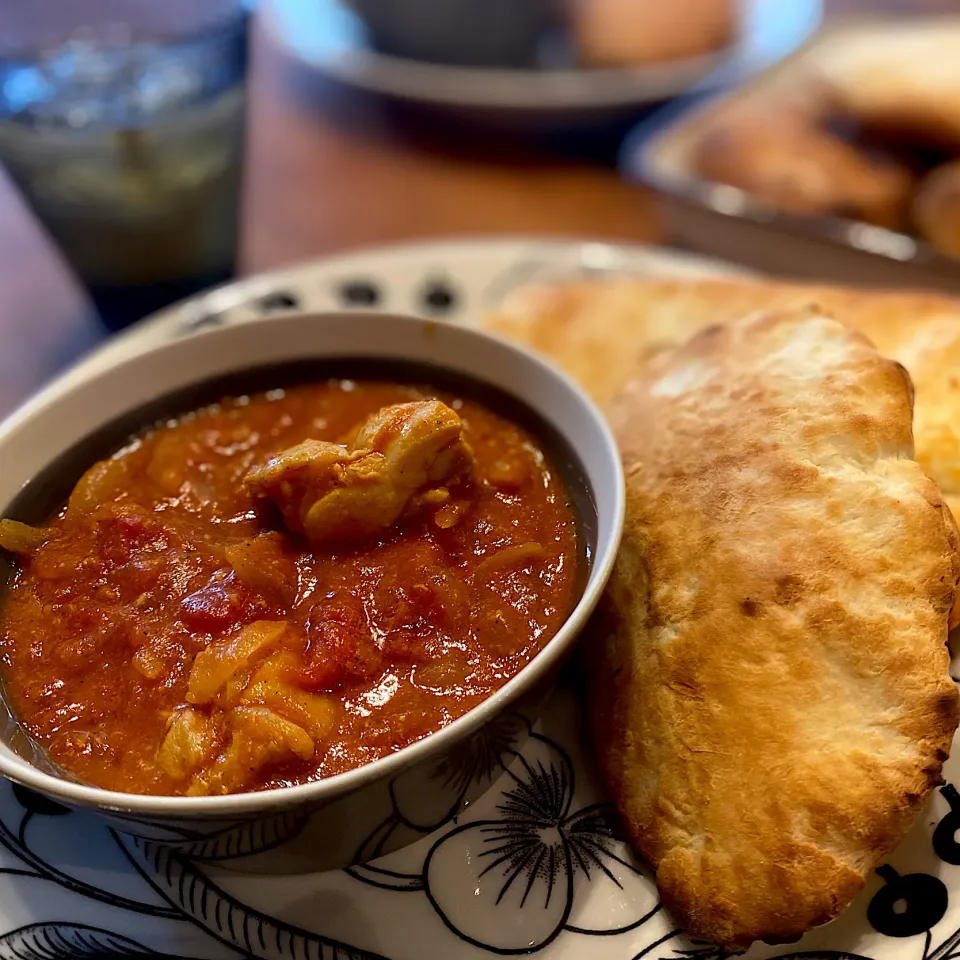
[[598, 330], [771, 702]]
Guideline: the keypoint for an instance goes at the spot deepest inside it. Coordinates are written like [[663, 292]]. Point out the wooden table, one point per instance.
[[315, 185]]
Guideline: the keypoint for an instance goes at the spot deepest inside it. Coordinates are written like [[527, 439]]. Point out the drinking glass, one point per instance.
[[122, 123]]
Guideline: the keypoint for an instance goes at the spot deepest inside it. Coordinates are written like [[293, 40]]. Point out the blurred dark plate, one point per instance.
[[328, 38]]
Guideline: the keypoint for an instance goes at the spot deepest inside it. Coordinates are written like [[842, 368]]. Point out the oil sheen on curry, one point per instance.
[[285, 586]]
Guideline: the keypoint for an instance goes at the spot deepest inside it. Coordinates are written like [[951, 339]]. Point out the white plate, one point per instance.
[[326, 37], [566, 889]]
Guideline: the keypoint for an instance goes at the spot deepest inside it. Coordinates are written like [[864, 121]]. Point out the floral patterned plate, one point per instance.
[[536, 866]]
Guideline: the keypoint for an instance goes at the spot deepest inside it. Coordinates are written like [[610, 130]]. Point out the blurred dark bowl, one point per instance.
[[474, 33]]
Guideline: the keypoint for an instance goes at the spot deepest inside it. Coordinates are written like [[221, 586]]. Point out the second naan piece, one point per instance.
[[598, 330], [771, 703]]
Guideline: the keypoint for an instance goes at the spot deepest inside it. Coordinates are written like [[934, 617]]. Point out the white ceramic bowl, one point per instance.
[[47, 444]]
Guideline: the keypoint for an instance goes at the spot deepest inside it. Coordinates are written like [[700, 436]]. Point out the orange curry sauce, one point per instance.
[[316, 659]]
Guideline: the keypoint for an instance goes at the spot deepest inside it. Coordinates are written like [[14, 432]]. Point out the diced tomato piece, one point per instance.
[[130, 526], [123, 530], [425, 601], [414, 617], [340, 647], [217, 606]]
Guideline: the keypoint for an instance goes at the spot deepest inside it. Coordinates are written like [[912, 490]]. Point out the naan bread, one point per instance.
[[771, 701], [634, 33], [599, 330], [900, 82]]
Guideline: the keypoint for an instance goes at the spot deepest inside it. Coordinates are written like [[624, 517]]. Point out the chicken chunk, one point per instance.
[[188, 745], [260, 738], [218, 664], [404, 458]]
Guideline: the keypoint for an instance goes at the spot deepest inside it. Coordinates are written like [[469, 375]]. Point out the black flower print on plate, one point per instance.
[[438, 297], [203, 320], [72, 941], [511, 885], [243, 839], [424, 801], [184, 894], [277, 300], [907, 905], [698, 950], [535, 866], [188, 889], [945, 844], [359, 293], [15, 840], [37, 803]]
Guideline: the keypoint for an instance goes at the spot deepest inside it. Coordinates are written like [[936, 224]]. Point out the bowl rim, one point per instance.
[[164, 807]]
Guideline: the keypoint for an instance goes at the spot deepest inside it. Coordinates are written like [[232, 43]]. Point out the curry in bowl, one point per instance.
[[283, 586]]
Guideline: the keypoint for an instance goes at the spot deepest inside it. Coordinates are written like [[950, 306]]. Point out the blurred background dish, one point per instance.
[[897, 80], [784, 158], [838, 163], [468, 33], [542, 58], [636, 33], [935, 211], [540, 34], [125, 126]]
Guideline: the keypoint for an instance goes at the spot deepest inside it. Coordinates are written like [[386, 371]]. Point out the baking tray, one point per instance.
[[727, 222]]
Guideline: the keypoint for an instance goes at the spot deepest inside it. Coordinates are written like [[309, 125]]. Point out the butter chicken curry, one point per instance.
[[285, 586]]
